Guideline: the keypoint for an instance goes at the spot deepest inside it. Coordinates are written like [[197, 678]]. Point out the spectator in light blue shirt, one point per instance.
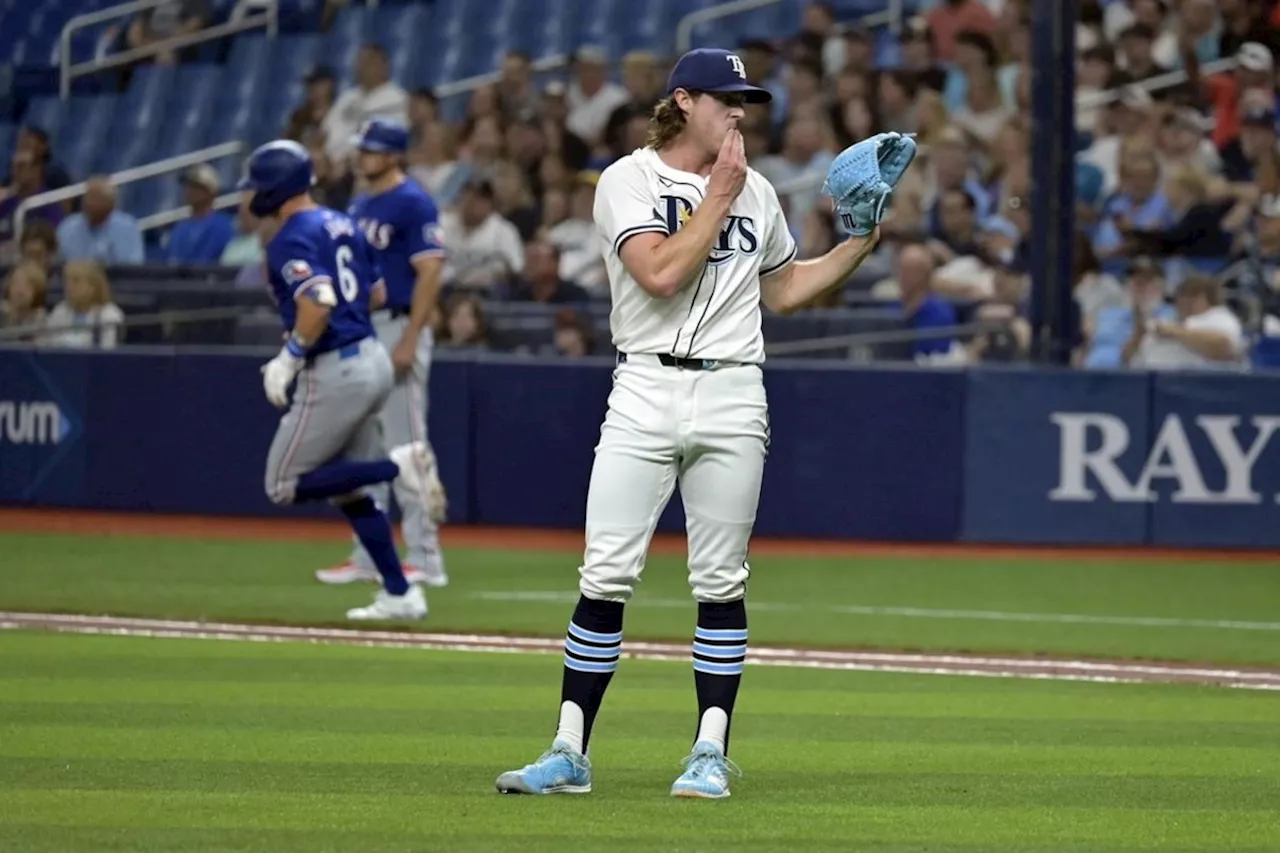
[[246, 247], [100, 232], [1139, 204], [202, 238], [1114, 325]]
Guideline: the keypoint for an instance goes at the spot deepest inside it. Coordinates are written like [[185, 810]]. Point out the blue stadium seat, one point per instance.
[[136, 126], [188, 116], [399, 29], [346, 35], [45, 112], [8, 133], [292, 57], [88, 122]]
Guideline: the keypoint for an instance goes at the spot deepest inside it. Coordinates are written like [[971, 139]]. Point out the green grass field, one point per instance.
[[138, 744]]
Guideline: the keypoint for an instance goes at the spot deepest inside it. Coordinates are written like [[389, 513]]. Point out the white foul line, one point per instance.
[[912, 612], [1112, 672]]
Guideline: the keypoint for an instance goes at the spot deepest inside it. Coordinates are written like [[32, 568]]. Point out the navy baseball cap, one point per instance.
[[710, 69], [383, 137]]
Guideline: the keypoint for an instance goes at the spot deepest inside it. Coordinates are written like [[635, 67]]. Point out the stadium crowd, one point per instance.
[[1177, 249]]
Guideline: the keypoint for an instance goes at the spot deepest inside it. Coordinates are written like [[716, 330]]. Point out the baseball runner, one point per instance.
[[695, 241], [329, 444], [399, 220]]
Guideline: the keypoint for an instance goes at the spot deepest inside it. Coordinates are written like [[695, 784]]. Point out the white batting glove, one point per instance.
[[276, 376]]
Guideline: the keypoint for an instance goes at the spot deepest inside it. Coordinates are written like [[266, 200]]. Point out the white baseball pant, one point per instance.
[[708, 431], [404, 419]]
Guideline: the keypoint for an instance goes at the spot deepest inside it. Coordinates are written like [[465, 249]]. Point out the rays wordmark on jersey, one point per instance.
[[739, 233], [377, 233]]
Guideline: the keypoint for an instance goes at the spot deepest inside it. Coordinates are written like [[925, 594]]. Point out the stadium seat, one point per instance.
[[398, 29], [88, 122], [45, 112], [343, 42], [8, 135]]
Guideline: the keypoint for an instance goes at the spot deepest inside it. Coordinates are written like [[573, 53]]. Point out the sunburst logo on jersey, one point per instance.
[[678, 212]]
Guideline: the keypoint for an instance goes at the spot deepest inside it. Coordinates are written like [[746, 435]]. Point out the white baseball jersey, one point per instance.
[[716, 315]]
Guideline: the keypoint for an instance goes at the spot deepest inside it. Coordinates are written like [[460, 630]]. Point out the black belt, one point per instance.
[[667, 360], [396, 313]]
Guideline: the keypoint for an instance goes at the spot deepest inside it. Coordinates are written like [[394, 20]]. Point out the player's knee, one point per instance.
[[724, 583], [604, 585]]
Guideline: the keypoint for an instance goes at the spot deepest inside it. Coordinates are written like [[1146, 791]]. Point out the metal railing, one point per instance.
[[1153, 84], [32, 335], [127, 176], [68, 71], [177, 214], [867, 339], [892, 15]]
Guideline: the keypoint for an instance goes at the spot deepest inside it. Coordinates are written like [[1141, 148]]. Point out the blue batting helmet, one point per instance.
[[382, 136], [275, 173]]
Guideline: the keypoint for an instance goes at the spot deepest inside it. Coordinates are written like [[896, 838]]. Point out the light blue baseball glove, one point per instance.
[[862, 177]]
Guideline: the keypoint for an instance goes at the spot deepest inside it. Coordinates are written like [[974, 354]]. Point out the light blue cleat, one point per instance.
[[706, 773], [560, 770]]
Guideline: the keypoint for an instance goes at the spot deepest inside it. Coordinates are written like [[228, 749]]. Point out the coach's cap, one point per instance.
[[1255, 56], [202, 176], [710, 69], [382, 136]]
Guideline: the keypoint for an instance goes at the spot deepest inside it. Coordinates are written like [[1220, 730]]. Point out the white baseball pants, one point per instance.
[[707, 430], [404, 419]]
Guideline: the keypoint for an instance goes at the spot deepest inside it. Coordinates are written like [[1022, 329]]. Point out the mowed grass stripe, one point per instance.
[[39, 839], [44, 840], [652, 817], [461, 786], [205, 579], [762, 717], [497, 751], [668, 690]]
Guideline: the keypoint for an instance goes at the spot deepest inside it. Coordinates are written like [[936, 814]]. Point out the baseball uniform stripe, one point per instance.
[[310, 284], [646, 228], [418, 431], [592, 652], [720, 635], [295, 441], [719, 651], [588, 666], [718, 668], [791, 256]]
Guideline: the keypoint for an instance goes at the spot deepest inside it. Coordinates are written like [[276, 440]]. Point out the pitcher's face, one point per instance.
[[711, 115]]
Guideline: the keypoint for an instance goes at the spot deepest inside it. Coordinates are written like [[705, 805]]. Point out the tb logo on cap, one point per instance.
[[738, 67]]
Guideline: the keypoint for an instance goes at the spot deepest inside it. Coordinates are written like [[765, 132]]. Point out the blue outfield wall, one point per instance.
[[902, 454]]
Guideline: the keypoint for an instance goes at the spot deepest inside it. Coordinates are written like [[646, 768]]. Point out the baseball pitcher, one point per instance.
[[329, 443], [695, 241], [399, 220]]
